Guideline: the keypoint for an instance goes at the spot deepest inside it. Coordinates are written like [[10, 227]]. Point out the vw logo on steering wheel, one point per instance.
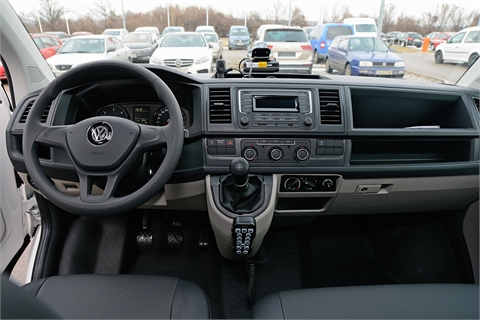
[[100, 133]]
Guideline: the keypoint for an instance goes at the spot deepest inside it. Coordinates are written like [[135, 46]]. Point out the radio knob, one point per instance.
[[276, 153], [250, 153], [244, 121], [301, 154], [308, 121]]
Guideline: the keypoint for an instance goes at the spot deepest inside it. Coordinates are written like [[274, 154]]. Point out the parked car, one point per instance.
[[392, 36], [3, 76], [187, 52], [82, 49], [205, 29], [172, 29], [134, 191], [59, 34], [363, 56], [119, 33], [437, 38], [142, 43], [289, 46], [217, 44], [154, 30], [307, 31], [362, 26], [407, 38], [238, 38], [463, 47], [323, 34], [48, 44]]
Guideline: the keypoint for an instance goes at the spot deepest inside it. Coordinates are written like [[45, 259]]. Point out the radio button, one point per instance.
[[244, 121], [308, 121]]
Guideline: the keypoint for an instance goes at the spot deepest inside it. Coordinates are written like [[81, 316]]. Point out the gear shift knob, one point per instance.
[[239, 168]]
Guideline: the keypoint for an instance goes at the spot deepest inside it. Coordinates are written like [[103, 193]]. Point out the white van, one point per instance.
[[205, 29], [363, 26]]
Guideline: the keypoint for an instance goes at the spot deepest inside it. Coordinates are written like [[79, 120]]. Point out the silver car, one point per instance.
[[217, 44]]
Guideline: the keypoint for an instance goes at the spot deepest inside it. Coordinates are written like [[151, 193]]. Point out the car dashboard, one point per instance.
[[335, 145]]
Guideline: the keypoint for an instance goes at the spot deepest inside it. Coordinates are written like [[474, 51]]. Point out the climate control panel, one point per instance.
[[296, 183], [276, 150]]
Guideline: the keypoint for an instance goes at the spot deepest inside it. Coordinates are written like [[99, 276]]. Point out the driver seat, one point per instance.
[[88, 296]]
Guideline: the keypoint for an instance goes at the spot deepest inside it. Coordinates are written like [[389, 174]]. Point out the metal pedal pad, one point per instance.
[[203, 240], [174, 238], [145, 235]]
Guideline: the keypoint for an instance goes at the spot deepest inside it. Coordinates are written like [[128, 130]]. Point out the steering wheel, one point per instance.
[[102, 147]]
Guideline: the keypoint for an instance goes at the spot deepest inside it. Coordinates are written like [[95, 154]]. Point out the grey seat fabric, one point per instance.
[[405, 301], [120, 296]]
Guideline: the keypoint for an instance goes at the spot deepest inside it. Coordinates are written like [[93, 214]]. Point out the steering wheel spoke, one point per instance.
[[87, 187], [54, 136]]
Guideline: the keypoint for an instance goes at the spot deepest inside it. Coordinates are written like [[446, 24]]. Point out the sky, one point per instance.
[[311, 8]]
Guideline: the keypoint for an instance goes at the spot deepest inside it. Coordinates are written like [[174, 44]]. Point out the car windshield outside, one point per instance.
[[367, 44], [179, 40], [83, 46], [240, 166]]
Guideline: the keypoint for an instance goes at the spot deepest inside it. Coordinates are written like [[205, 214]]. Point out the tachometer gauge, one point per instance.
[[114, 110], [162, 118]]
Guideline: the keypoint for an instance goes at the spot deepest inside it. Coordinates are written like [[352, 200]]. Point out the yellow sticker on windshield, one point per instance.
[[262, 64]]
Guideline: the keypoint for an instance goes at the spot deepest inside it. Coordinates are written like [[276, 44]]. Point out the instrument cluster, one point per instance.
[[143, 113]]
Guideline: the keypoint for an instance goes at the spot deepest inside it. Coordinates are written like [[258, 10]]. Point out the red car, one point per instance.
[[47, 44], [439, 37], [3, 76]]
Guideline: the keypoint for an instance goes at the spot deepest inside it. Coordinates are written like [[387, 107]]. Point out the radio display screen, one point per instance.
[[275, 103]]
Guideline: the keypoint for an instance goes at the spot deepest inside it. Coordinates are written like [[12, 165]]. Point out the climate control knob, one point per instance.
[[301, 154], [250, 153], [327, 183], [292, 184], [275, 153]]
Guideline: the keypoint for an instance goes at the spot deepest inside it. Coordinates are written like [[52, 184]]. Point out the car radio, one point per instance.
[[276, 109]]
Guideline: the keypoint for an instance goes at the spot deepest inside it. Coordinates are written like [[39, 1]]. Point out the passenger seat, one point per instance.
[[402, 301]]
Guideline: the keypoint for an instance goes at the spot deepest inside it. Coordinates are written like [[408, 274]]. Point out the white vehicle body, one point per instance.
[[363, 26], [70, 56], [462, 47], [188, 52]]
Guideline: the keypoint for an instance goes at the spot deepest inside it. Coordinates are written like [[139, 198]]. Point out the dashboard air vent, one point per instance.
[[330, 110], [477, 103], [220, 105], [23, 119]]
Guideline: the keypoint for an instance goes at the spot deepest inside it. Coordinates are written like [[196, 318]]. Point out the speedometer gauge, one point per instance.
[[161, 117], [114, 110]]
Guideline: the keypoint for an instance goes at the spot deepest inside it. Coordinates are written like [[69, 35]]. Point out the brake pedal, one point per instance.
[[175, 235], [145, 235]]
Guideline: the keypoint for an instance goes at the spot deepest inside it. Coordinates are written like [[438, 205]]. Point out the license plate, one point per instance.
[[384, 72], [262, 64], [286, 54], [134, 55]]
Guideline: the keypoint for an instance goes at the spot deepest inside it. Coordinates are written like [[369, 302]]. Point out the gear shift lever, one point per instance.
[[239, 168], [239, 193]]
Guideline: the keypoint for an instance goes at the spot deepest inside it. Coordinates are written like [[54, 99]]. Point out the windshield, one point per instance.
[[211, 37], [137, 37], [407, 27], [367, 44], [183, 41], [83, 46]]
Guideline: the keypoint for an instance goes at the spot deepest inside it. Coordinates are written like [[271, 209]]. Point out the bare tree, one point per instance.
[[389, 18], [337, 14], [298, 18], [51, 13], [105, 13], [279, 13], [440, 18]]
